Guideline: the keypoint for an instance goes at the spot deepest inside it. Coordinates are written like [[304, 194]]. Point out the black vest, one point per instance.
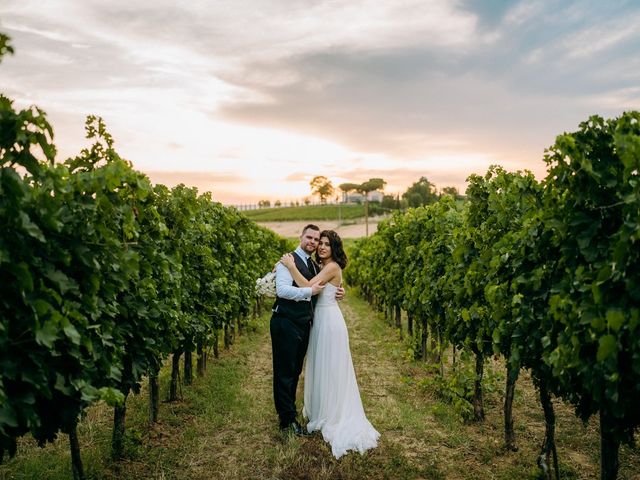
[[300, 312]]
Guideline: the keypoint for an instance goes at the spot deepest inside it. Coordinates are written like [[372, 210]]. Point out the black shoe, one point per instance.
[[295, 428]]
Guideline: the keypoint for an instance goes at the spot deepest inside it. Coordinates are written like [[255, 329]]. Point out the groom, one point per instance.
[[290, 327]]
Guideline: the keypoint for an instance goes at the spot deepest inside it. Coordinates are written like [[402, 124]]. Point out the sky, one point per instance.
[[250, 99]]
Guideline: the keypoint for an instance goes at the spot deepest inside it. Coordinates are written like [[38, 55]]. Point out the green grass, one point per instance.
[[317, 212], [208, 406], [306, 212]]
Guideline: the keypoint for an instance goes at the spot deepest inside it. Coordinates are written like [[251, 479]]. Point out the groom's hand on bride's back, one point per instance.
[[340, 293]]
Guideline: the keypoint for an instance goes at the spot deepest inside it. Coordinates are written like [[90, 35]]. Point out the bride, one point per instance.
[[331, 396]]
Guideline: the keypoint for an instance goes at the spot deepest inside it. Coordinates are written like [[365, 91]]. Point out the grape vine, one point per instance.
[[545, 274], [104, 276]]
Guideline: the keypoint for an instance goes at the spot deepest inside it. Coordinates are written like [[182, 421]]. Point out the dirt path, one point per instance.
[[246, 444], [258, 450]]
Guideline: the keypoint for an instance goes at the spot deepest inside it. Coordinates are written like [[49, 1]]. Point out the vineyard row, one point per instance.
[[104, 276], [545, 274]]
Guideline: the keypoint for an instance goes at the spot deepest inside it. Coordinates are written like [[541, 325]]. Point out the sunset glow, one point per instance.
[[251, 99]]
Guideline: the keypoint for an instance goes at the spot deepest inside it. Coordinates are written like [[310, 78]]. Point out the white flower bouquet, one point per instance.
[[266, 285]]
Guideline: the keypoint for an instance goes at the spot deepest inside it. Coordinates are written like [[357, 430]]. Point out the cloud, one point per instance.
[[205, 181], [507, 99], [298, 177], [266, 90], [56, 36], [603, 36], [622, 99], [48, 59], [523, 12], [371, 110]]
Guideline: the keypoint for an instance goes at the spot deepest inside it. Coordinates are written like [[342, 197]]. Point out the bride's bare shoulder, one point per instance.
[[332, 267]]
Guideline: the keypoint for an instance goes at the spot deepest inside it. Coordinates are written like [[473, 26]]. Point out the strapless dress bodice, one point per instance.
[[327, 296]]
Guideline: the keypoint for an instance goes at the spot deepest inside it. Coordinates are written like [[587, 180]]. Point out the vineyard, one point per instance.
[[544, 275], [104, 277], [109, 282]]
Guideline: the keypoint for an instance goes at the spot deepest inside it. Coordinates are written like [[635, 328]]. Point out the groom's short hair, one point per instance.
[[310, 226]]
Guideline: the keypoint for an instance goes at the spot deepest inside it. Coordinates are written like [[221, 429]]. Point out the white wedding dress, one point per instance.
[[331, 396]]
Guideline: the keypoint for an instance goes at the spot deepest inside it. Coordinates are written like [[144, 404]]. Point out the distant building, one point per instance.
[[374, 196]]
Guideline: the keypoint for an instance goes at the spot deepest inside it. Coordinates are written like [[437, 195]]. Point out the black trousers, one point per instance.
[[289, 342]]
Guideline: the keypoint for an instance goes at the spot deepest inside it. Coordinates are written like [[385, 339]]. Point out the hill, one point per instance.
[[309, 212]]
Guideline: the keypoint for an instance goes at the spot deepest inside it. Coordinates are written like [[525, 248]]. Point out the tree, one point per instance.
[[422, 192], [322, 187], [264, 203], [5, 46], [370, 185], [278, 203], [590, 217], [390, 202], [346, 188], [452, 191]]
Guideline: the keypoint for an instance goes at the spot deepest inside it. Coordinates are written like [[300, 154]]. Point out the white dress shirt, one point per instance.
[[284, 281]]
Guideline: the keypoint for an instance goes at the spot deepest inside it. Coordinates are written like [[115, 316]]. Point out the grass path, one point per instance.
[[226, 427]]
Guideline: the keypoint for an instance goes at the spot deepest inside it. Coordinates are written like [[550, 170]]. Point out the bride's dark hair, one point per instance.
[[337, 250]]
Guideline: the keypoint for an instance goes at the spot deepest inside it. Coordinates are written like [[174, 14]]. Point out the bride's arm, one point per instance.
[[325, 276]]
